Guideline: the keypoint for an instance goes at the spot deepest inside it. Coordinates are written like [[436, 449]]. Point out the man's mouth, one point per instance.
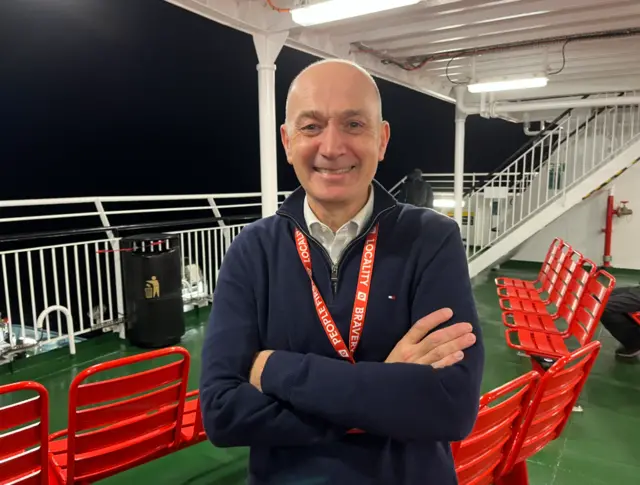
[[334, 171]]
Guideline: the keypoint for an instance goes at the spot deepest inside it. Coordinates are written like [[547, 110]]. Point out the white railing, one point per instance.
[[442, 183], [578, 146], [84, 277], [98, 207]]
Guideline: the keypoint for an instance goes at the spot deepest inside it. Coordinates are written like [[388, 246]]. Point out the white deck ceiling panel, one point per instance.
[[583, 46]]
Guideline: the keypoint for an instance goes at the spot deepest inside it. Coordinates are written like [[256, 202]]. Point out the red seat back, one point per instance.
[[501, 411], [192, 425], [549, 278], [591, 305], [552, 403], [116, 423], [567, 271], [552, 255], [568, 305], [24, 431]]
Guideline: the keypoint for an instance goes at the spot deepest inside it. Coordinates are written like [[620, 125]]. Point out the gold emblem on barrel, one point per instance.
[[152, 288]]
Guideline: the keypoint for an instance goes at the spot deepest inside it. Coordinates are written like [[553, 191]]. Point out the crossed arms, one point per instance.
[[423, 390]]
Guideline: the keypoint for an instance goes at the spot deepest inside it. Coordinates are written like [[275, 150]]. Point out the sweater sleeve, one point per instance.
[[234, 412], [401, 401]]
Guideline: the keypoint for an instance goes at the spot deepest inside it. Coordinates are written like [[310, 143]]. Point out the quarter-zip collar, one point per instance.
[[293, 206]]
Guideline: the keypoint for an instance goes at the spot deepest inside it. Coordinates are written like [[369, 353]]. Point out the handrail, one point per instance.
[[70, 332], [125, 227], [125, 198], [432, 177]]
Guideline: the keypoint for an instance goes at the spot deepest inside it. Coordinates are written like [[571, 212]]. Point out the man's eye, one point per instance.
[[355, 124], [310, 127]]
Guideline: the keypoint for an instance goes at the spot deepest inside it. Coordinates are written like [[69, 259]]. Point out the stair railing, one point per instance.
[[582, 142]]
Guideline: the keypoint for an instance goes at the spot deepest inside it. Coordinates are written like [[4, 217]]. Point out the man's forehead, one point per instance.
[[333, 87], [323, 100], [352, 84]]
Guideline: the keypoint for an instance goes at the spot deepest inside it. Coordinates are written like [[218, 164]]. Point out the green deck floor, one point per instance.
[[599, 447]]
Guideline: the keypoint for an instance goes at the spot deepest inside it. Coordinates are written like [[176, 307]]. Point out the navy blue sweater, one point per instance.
[[296, 427]]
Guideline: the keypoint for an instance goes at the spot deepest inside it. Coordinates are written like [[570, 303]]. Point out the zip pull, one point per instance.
[[334, 278]]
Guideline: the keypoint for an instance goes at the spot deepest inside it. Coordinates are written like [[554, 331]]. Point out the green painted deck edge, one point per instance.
[[86, 351]]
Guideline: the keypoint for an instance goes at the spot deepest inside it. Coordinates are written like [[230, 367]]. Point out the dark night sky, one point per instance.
[[109, 97]]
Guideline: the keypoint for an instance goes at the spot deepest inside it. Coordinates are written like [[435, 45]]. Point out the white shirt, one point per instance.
[[336, 243]]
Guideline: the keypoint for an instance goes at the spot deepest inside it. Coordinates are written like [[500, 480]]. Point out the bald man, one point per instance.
[[343, 345]]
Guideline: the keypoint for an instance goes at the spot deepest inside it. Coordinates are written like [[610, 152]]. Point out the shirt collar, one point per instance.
[[360, 219]]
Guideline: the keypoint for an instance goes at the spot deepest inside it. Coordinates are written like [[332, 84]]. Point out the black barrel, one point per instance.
[[152, 273]]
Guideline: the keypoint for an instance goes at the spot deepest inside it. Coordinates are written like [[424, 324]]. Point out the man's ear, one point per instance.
[[385, 134], [286, 141]]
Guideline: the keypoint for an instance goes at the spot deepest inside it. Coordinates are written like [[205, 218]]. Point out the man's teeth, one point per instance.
[[333, 171]]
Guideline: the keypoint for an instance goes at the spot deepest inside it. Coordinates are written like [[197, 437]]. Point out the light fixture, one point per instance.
[[445, 203], [332, 10], [508, 84]]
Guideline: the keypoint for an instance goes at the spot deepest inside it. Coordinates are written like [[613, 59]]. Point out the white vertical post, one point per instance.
[[458, 170], [267, 48], [115, 245]]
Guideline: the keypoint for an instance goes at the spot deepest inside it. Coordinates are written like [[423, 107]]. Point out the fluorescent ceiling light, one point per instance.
[[505, 85], [445, 203], [332, 10]]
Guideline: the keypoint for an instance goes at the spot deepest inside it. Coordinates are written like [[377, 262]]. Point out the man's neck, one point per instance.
[[336, 215]]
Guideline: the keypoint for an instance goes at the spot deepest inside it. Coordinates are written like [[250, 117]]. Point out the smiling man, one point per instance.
[[343, 345]]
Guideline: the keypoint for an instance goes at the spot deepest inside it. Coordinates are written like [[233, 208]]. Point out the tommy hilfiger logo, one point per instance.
[[392, 297]]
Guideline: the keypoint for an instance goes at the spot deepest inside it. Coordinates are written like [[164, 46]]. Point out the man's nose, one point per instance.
[[332, 143]]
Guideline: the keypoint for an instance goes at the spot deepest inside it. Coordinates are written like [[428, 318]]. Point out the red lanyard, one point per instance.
[[359, 304]]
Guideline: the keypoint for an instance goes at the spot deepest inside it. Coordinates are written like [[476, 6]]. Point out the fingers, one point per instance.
[[448, 360], [444, 335], [448, 349], [423, 326]]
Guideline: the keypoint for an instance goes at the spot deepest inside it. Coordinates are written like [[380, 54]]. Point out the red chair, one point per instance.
[[501, 413], [192, 428], [547, 280], [551, 256], [117, 423], [635, 317], [532, 302], [548, 413], [552, 345], [566, 308], [24, 431]]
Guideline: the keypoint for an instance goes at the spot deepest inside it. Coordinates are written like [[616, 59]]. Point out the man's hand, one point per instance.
[[255, 376], [440, 349]]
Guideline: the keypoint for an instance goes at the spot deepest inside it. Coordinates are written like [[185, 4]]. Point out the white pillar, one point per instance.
[[458, 170], [267, 48]]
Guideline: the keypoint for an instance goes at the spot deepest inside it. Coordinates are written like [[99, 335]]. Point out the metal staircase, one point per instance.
[[577, 154]]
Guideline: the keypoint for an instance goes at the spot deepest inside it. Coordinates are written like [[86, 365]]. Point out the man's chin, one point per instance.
[[332, 197], [333, 193]]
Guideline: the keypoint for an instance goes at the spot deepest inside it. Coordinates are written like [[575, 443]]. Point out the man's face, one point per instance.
[[335, 137]]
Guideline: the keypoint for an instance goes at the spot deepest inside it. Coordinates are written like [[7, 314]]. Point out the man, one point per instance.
[[416, 191], [616, 319], [337, 384]]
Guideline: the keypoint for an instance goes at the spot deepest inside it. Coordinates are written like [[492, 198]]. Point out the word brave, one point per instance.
[[360, 301]]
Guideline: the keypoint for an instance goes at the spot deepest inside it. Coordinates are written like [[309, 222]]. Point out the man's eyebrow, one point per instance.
[[353, 112], [313, 114], [308, 114]]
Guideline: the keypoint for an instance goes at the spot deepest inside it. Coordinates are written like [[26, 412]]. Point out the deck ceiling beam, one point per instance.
[[485, 17], [442, 27], [415, 47]]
